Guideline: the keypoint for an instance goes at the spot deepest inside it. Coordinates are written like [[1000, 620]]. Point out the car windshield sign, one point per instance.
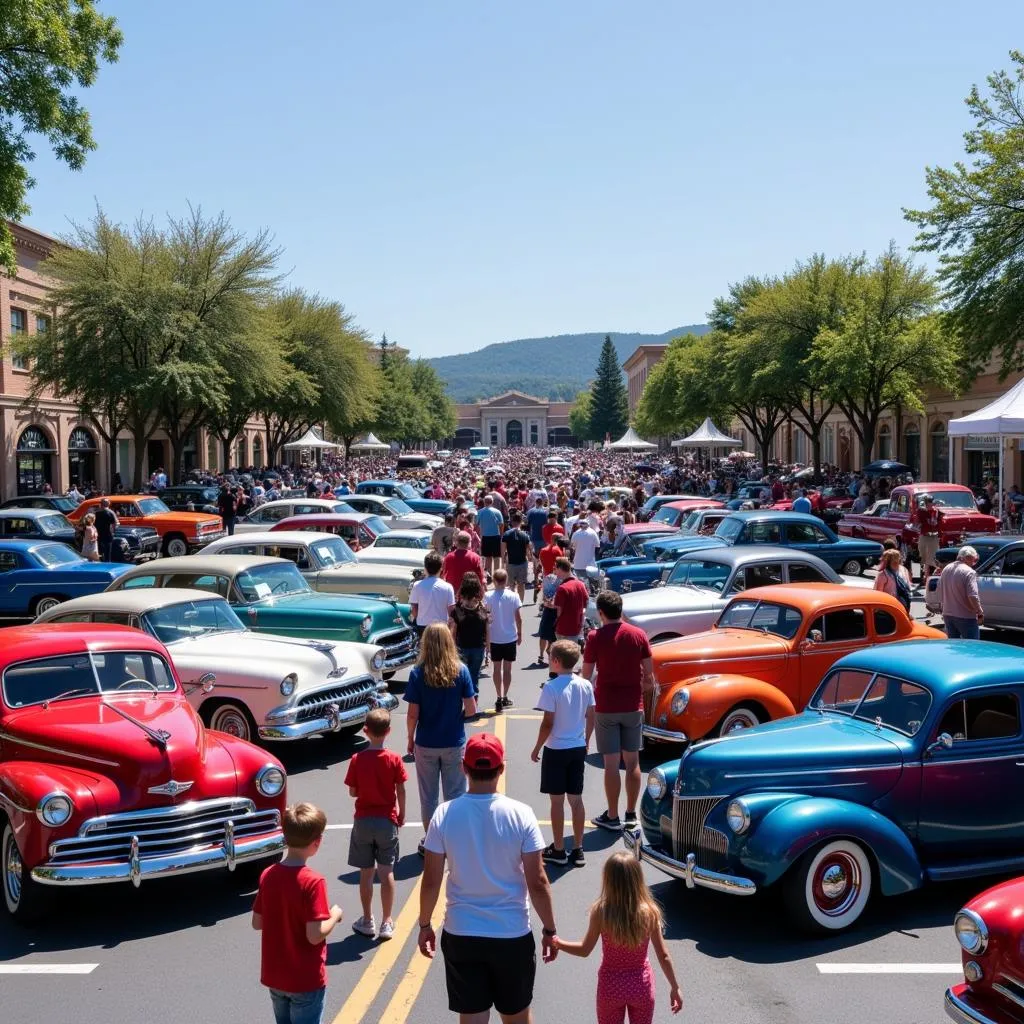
[[763, 616], [56, 554], [332, 552], [397, 507], [191, 619], [706, 575], [881, 699], [272, 580], [152, 506]]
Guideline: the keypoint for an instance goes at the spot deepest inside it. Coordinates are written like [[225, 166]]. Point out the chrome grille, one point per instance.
[[1011, 989], [594, 585], [163, 830], [352, 694], [396, 643], [689, 835]]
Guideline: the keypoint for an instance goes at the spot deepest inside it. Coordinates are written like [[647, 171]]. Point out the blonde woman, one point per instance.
[[440, 698], [90, 538], [893, 578]]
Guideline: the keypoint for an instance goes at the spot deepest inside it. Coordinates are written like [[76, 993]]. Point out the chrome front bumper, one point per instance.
[[651, 732], [332, 720], [958, 1009], [687, 871], [196, 543]]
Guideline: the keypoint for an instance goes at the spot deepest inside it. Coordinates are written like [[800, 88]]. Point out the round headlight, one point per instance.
[[270, 780], [971, 932], [656, 785], [365, 625], [737, 816], [288, 684], [378, 661], [627, 586], [54, 809], [680, 701], [973, 972]]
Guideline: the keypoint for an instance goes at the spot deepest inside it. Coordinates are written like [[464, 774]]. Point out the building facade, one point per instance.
[[513, 419], [47, 442], [637, 368]]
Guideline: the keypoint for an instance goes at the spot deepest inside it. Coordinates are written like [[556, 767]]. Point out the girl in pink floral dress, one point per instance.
[[627, 920]]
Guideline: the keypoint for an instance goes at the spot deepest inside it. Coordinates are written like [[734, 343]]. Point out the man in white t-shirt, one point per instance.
[[584, 545], [506, 631], [431, 598], [568, 705], [493, 848]]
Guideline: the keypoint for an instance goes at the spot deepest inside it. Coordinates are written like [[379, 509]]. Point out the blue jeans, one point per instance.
[[298, 1007], [473, 658], [958, 628], [438, 770]]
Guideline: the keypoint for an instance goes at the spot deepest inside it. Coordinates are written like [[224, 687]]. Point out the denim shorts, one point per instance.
[[298, 1007]]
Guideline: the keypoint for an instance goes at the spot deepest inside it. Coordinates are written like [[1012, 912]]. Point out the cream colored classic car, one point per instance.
[[270, 687], [326, 561]]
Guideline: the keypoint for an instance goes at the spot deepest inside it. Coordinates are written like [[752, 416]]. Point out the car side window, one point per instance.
[[1013, 564], [8, 561], [901, 503], [300, 556], [838, 626], [208, 581], [72, 617], [242, 549], [125, 509], [763, 533], [763, 575], [885, 622], [802, 533], [115, 619], [365, 537], [805, 574], [990, 717], [306, 510], [20, 527]]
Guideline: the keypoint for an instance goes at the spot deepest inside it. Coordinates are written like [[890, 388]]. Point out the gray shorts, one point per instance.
[[928, 548], [373, 841], [619, 731], [517, 573]]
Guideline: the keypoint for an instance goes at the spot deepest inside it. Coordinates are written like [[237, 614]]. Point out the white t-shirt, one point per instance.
[[484, 837], [503, 605], [432, 597], [531, 499], [568, 697], [584, 546]]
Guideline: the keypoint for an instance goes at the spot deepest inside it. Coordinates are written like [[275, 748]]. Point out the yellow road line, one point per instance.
[[400, 1006]]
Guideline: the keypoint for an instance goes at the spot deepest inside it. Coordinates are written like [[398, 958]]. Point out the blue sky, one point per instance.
[[459, 173]]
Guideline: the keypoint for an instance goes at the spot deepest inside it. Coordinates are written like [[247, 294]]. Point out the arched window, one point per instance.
[[884, 442], [912, 448], [257, 451], [940, 451], [34, 461], [81, 458]]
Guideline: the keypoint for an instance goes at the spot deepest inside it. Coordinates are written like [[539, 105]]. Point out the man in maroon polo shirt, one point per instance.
[[621, 653], [570, 602], [461, 560]]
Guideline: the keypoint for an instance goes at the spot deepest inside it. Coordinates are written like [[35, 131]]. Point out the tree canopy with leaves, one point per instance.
[[48, 49], [976, 223], [579, 416]]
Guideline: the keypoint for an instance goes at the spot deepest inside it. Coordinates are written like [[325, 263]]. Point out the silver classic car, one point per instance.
[[271, 687], [1000, 587]]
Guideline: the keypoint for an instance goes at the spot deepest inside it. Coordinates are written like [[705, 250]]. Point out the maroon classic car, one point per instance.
[[990, 930], [108, 775]]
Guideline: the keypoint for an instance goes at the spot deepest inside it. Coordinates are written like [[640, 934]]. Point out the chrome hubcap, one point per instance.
[[46, 604], [738, 724], [232, 722], [12, 871], [836, 884]]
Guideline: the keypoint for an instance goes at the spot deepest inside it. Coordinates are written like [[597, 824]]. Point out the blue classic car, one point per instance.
[[901, 771], [37, 575], [408, 494], [847, 555]]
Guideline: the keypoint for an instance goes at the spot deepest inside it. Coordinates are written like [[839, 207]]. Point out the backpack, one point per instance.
[[903, 592]]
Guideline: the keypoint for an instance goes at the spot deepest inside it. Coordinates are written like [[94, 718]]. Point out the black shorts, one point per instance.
[[503, 652], [482, 972], [561, 771], [490, 547], [548, 618]]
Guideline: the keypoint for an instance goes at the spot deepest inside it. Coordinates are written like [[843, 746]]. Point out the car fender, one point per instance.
[[711, 696], [796, 824]]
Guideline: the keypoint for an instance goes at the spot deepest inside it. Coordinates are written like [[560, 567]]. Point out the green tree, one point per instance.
[[579, 417], [976, 224], [436, 408], [609, 400], [48, 50], [888, 347]]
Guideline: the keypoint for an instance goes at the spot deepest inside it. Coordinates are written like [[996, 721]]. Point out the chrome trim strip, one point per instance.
[[824, 770], [972, 760], [58, 750], [1009, 994], [962, 1012], [240, 805], [664, 735]]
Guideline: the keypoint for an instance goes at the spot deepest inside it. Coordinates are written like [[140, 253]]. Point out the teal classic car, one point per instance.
[[270, 595], [901, 771]]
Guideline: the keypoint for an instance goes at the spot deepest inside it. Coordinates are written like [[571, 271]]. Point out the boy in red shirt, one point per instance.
[[291, 912], [376, 778]]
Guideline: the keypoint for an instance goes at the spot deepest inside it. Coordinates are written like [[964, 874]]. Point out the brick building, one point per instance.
[[637, 368]]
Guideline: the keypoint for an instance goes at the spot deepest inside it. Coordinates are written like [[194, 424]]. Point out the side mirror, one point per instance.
[[205, 683], [942, 742]]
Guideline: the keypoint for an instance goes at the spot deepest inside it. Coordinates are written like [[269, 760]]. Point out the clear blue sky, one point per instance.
[[459, 172]]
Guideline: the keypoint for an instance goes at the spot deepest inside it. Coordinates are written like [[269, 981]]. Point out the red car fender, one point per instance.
[[711, 696]]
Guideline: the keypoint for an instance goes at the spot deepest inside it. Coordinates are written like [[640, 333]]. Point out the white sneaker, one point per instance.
[[387, 931], [366, 926]]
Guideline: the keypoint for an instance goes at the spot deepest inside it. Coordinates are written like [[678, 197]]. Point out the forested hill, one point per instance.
[[555, 368]]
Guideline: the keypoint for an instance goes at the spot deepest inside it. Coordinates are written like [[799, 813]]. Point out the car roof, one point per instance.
[[769, 513], [120, 497], [28, 513], [277, 537], [52, 639], [649, 527], [27, 544], [382, 481], [138, 600], [743, 554], [295, 498], [946, 666], [222, 565], [330, 517], [814, 597]]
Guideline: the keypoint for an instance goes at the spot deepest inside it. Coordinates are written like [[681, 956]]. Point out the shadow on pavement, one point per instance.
[[409, 865]]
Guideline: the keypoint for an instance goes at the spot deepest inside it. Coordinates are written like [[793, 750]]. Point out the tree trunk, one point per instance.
[[177, 457], [140, 439], [112, 452]]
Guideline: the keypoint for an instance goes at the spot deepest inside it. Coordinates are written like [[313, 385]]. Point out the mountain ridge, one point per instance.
[[555, 367]]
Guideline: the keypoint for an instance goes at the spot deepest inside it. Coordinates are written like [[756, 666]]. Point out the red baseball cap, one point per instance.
[[484, 751]]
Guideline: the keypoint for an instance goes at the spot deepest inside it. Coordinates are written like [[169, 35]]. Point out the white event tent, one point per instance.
[[707, 435], [631, 441], [1004, 417], [312, 441], [370, 443]]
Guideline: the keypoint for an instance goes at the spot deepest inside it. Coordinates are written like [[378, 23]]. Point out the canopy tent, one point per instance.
[[1003, 417], [310, 439], [370, 443], [707, 435], [631, 441]]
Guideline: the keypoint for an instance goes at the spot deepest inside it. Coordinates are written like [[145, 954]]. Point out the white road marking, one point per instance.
[[47, 968], [889, 968]]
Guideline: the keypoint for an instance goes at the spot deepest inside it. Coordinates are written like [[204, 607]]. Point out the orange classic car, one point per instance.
[[180, 532], [765, 656]]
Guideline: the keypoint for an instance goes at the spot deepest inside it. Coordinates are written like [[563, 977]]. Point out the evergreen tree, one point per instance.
[[609, 401]]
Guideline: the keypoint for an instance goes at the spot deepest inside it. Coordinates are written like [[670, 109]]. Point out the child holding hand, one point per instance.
[[627, 920]]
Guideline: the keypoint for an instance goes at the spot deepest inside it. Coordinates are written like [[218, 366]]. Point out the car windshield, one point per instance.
[[191, 619], [63, 504], [405, 491], [691, 521], [332, 552], [271, 580], [763, 616], [376, 525], [53, 524], [954, 499], [729, 528], [877, 698], [397, 507], [85, 675], [665, 514], [342, 506], [699, 573], [56, 554], [152, 506]]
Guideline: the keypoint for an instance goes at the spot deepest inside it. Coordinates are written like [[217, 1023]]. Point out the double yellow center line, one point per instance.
[[372, 980]]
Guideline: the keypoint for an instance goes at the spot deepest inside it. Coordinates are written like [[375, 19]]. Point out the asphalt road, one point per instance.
[[183, 951]]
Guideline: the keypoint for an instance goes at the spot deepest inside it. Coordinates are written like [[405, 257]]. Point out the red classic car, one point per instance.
[[108, 775], [990, 930]]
